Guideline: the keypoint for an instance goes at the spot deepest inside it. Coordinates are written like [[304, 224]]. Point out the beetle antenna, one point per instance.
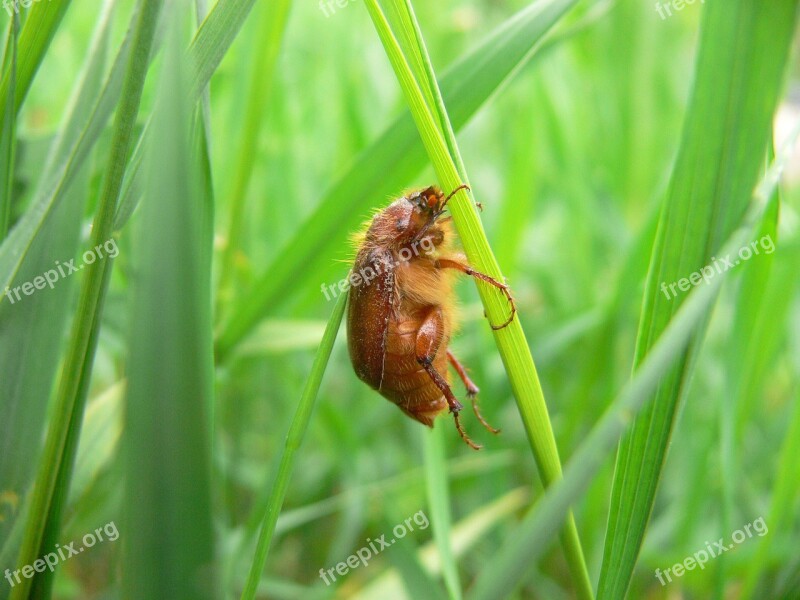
[[463, 186]]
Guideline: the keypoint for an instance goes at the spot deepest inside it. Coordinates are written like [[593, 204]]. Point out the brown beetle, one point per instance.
[[401, 313]]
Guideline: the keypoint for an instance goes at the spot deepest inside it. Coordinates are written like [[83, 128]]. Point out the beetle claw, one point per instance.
[[463, 433]]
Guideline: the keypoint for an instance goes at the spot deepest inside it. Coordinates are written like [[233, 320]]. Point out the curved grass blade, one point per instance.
[[511, 342], [294, 438], [740, 64]]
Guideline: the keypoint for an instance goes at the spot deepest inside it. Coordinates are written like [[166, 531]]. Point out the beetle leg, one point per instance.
[[472, 390], [446, 263], [429, 338]]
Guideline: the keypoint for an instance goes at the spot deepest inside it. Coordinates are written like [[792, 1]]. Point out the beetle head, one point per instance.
[[419, 211], [409, 219]]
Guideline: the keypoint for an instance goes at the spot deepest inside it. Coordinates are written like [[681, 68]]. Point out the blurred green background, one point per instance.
[[570, 157]]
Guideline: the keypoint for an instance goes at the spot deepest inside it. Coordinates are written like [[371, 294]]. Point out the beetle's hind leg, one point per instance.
[[472, 390], [429, 339]]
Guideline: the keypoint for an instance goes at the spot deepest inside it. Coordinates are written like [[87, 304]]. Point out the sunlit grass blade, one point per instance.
[[500, 576], [57, 459], [740, 64], [216, 34], [511, 342], [294, 439]]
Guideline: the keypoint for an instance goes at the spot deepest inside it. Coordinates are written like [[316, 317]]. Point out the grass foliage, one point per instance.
[[193, 389]]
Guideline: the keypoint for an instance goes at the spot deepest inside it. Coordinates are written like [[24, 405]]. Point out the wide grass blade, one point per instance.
[[740, 64], [294, 439], [168, 532], [61, 444]]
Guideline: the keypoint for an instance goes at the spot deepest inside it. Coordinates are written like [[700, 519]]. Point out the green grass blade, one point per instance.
[[388, 164], [70, 151], [294, 439], [416, 580], [8, 129], [28, 366], [64, 431], [511, 342], [37, 33], [214, 37], [742, 354], [168, 532], [436, 481], [272, 28], [467, 534], [784, 497], [742, 53], [436, 484], [500, 576], [208, 47]]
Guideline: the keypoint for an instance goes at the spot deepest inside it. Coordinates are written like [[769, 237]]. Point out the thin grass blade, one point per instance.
[[294, 439]]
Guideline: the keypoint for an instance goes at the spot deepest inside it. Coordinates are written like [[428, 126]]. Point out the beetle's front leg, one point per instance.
[[448, 263], [429, 339]]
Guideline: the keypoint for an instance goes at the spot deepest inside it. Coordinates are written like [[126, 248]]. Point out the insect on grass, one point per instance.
[[400, 320]]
